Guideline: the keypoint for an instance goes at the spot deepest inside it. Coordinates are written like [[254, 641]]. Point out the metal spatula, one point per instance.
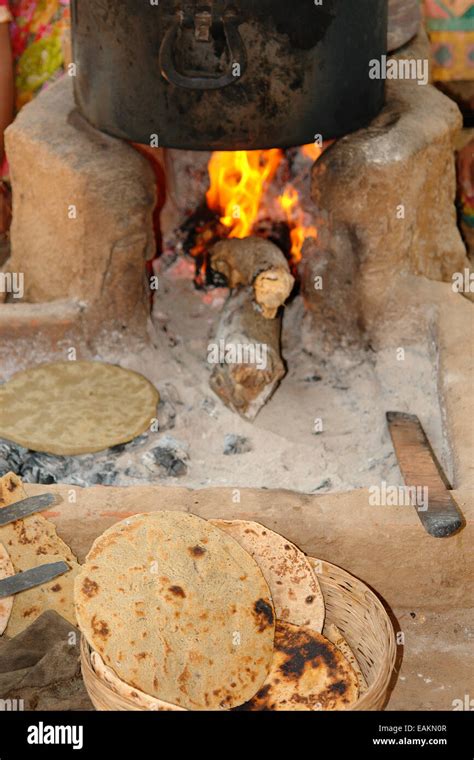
[[25, 508], [31, 578]]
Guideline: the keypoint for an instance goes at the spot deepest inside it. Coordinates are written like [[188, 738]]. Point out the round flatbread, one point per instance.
[[293, 583], [335, 636], [141, 700], [73, 408], [178, 610], [308, 673], [6, 604]]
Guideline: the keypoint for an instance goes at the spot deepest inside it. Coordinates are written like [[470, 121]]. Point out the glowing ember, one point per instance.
[[290, 203], [238, 180]]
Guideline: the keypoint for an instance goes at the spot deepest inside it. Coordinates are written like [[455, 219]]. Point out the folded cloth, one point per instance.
[[41, 666]]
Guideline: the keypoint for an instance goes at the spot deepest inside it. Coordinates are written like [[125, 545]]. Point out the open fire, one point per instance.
[[289, 201], [238, 180], [252, 193]]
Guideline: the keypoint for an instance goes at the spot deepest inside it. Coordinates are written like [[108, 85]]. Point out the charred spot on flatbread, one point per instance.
[[177, 591], [307, 673], [263, 614], [301, 651], [197, 551], [100, 628], [89, 588]]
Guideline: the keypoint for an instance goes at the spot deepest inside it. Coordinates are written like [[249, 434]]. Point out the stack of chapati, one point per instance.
[[187, 614]]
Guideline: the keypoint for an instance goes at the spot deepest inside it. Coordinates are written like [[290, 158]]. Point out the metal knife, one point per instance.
[[25, 507], [421, 469], [31, 578]]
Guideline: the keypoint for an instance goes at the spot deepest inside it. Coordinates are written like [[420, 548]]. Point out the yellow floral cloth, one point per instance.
[[37, 30]]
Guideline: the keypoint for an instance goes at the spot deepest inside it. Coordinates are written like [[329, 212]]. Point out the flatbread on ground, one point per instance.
[[291, 578], [334, 635], [6, 604], [32, 542], [143, 701], [178, 610], [72, 408], [308, 673]]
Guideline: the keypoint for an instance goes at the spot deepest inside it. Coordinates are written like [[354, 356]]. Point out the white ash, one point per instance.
[[349, 391]]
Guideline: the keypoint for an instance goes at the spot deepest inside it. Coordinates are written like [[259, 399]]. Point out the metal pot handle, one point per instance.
[[237, 55]]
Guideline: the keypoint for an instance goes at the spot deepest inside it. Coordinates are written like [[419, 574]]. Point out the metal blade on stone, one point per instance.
[[31, 578], [25, 508]]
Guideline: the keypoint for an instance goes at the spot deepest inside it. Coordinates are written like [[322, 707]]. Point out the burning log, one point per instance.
[[246, 355], [259, 263]]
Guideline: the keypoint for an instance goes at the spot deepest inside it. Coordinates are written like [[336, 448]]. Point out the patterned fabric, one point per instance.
[[37, 29], [467, 206], [466, 182], [450, 25]]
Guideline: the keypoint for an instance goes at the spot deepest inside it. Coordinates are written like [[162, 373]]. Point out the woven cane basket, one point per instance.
[[350, 605]]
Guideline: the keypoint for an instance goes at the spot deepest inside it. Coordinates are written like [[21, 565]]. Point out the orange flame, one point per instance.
[[237, 183], [311, 151], [238, 180], [289, 201]]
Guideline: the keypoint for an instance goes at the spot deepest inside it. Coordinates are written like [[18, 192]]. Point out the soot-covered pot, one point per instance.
[[228, 75]]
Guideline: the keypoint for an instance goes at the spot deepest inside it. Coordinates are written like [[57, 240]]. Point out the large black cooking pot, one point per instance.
[[228, 75]]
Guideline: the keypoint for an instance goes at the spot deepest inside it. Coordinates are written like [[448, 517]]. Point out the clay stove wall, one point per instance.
[[82, 213]]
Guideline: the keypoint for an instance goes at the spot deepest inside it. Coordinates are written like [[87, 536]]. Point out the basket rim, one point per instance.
[[384, 675], [368, 590], [379, 686], [89, 672]]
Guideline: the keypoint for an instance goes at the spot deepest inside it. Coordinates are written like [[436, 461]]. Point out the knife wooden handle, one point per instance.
[[421, 469]]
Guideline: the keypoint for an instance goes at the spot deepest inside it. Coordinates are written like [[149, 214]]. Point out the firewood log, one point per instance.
[[257, 262], [247, 364]]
